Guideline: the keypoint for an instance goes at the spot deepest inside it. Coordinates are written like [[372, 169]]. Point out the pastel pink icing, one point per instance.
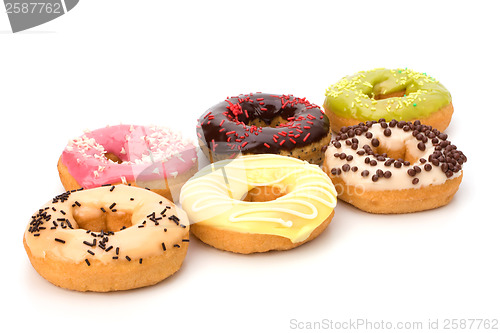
[[147, 153]]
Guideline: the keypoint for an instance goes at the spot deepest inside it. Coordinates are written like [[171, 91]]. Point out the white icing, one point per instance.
[[399, 179]]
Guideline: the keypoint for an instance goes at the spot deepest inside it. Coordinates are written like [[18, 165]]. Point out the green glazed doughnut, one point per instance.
[[400, 94]]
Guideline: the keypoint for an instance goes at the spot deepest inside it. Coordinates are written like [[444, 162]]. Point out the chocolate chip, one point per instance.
[[374, 178], [387, 132], [421, 146], [369, 135], [354, 169], [398, 164], [365, 173], [411, 172], [373, 162], [387, 174], [375, 142], [415, 181], [336, 171], [393, 123], [417, 169], [427, 167], [349, 158], [346, 167]]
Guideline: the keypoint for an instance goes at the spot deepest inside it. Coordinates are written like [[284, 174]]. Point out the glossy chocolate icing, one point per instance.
[[229, 126]]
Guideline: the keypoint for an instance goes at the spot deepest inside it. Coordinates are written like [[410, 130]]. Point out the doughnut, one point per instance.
[[394, 167], [115, 237], [152, 157], [258, 203], [264, 124], [400, 94]]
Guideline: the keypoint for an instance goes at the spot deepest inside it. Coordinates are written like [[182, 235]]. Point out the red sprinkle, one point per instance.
[[305, 138]]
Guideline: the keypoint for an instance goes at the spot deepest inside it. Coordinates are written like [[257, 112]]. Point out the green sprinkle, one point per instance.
[[414, 104]]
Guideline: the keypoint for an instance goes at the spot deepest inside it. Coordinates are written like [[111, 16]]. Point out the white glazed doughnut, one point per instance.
[[394, 167]]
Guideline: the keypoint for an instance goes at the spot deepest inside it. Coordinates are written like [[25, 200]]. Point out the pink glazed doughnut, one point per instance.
[[153, 157]]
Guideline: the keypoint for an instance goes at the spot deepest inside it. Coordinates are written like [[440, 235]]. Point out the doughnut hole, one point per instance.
[[275, 122], [378, 89], [97, 220], [113, 157], [393, 94], [403, 152], [264, 193]]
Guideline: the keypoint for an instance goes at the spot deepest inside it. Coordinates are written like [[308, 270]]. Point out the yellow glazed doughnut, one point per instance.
[[107, 238], [394, 167], [258, 203]]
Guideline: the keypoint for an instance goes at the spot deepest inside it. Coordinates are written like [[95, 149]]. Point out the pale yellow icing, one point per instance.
[[135, 242], [213, 196]]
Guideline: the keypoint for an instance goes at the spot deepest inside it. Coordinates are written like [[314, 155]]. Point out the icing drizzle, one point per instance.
[[213, 196]]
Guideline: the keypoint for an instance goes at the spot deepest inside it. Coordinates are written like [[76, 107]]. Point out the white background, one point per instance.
[[165, 63]]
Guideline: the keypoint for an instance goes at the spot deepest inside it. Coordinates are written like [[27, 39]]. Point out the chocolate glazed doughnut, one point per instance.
[[264, 124]]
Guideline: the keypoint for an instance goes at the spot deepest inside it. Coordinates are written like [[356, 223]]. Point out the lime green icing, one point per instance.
[[354, 96]]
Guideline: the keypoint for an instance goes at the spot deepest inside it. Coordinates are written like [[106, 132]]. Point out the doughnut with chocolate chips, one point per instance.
[[394, 167], [264, 124]]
